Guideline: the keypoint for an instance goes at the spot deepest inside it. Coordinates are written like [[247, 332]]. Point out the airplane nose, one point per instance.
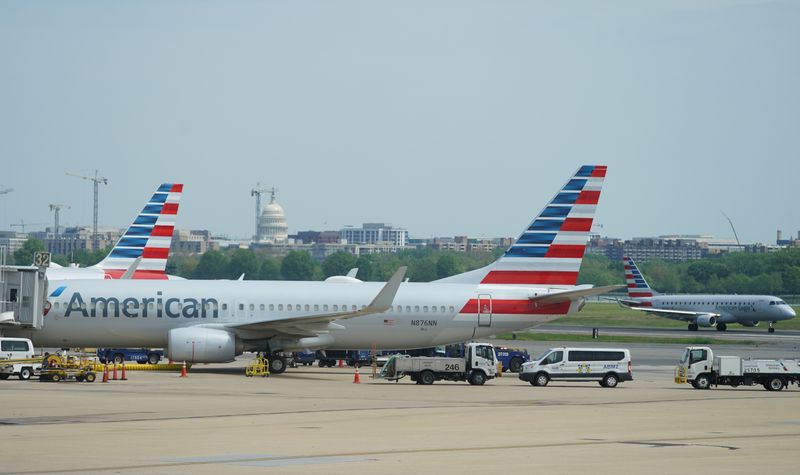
[[791, 312]]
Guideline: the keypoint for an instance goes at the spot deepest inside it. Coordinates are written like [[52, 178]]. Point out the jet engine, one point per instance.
[[706, 320], [203, 345]]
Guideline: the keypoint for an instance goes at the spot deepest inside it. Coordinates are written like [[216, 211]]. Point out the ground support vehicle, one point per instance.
[[512, 358], [17, 358], [23, 368], [139, 355], [305, 358], [479, 365], [259, 367], [607, 366], [702, 369], [57, 368]]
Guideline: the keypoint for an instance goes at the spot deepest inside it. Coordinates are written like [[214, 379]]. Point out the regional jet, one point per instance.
[[703, 310], [533, 282]]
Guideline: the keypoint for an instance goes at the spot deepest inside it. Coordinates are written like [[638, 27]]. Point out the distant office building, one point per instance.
[[466, 244], [12, 241], [316, 237], [375, 233], [73, 239], [195, 241]]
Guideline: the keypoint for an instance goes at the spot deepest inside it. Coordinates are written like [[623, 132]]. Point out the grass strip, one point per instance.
[[533, 336]]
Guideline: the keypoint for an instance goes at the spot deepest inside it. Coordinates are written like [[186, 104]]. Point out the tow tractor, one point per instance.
[[57, 368]]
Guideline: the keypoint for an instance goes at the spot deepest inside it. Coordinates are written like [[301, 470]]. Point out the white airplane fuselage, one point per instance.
[[747, 310], [135, 313]]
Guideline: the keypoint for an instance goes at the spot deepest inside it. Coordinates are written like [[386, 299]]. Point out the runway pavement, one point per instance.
[[316, 421]]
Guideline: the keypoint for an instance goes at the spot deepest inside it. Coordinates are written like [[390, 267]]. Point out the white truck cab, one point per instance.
[[702, 369], [608, 366]]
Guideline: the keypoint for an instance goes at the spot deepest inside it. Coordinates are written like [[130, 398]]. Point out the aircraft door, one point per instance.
[[484, 310]]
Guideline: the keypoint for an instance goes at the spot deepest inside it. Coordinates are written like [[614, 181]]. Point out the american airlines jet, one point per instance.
[[214, 321], [703, 310], [149, 238]]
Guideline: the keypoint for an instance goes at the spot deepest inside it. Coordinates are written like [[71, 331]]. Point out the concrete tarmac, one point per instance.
[[312, 420]]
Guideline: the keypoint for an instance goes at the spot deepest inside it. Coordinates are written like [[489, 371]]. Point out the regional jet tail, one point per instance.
[[703, 310], [143, 249], [213, 321]]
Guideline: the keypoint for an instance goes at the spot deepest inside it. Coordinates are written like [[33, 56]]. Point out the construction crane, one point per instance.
[[22, 225], [257, 191], [96, 179], [55, 208]]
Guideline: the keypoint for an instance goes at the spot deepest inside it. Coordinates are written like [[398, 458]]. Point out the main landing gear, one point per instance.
[[277, 363], [693, 327], [721, 327]]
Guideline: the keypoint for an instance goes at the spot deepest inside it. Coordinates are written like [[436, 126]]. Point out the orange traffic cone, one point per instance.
[[356, 378], [341, 364], [114, 377], [105, 373], [183, 370], [123, 373]]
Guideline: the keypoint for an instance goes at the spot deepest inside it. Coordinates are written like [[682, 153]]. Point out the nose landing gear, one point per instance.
[[771, 328]]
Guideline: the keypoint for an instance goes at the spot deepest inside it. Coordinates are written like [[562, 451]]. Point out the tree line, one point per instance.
[[736, 273], [774, 273]]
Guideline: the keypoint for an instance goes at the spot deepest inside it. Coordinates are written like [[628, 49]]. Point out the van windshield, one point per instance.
[[541, 356]]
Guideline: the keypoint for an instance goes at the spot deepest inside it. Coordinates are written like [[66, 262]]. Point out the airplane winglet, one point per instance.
[[352, 272], [132, 269], [385, 297]]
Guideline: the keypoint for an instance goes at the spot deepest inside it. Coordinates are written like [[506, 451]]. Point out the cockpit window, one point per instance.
[[772, 302]]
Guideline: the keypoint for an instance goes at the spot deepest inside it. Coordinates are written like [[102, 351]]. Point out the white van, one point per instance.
[[17, 349], [608, 366]]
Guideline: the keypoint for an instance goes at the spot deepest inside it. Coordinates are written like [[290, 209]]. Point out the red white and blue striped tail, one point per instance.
[[637, 285], [148, 237], [550, 250]]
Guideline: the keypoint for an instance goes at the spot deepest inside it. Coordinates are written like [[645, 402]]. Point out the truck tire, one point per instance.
[[90, 377], [541, 379], [477, 378], [702, 382], [153, 358], [25, 374], [55, 377], [515, 364], [775, 384], [609, 381], [427, 377], [118, 358]]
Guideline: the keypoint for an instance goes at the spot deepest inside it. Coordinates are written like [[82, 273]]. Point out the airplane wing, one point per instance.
[[309, 325], [569, 295], [683, 315]]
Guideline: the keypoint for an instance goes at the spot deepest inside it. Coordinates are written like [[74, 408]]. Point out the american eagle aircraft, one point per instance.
[[703, 310], [214, 321], [146, 242]]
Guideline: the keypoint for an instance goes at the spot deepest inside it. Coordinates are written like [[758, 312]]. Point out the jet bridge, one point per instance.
[[23, 293]]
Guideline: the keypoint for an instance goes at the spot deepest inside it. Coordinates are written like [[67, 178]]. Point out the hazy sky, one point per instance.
[[444, 117]]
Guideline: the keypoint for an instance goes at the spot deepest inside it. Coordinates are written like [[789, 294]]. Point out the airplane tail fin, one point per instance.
[[550, 250], [148, 237], [637, 285]]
